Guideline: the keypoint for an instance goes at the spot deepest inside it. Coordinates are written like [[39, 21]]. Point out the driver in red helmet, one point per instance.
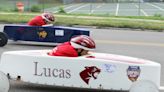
[[77, 46], [44, 19]]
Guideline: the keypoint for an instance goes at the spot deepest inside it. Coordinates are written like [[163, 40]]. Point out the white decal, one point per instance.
[[59, 32], [109, 68]]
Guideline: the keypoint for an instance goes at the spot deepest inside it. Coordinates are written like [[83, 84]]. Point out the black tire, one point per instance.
[[3, 39]]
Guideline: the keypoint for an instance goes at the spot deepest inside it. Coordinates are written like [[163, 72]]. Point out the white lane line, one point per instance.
[[68, 7], [53, 10], [96, 8], [71, 6], [142, 11], [156, 7], [161, 87], [91, 11], [117, 9], [77, 8], [99, 6], [56, 8]]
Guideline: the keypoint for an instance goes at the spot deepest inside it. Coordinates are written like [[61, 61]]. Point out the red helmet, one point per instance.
[[83, 42], [49, 17]]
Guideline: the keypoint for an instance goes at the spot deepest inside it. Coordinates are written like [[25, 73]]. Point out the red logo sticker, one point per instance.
[[89, 72]]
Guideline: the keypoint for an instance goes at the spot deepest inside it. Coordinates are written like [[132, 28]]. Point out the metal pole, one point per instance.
[[91, 6], [28, 5], [139, 9], [43, 5]]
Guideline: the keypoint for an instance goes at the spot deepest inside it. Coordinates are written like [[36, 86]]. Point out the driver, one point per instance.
[[77, 46], [42, 20]]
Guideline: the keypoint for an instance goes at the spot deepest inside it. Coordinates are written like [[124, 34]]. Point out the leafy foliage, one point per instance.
[[35, 8], [61, 10]]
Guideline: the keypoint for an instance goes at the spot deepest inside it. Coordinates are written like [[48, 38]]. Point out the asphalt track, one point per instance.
[[141, 44]]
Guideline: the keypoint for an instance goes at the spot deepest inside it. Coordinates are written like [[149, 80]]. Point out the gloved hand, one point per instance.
[[48, 25]]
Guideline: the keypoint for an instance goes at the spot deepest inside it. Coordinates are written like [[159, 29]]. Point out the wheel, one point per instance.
[[4, 87], [144, 86], [3, 39]]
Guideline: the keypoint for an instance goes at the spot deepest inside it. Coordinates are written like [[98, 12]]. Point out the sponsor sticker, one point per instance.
[[133, 72], [110, 68], [89, 72], [42, 34], [59, 32]]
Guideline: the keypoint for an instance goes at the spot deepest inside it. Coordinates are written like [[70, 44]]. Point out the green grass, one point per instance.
[[151, 23], [129, 17], [112, 23]]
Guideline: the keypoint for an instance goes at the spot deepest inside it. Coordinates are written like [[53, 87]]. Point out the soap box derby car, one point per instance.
[[98, 71], [41, 35]]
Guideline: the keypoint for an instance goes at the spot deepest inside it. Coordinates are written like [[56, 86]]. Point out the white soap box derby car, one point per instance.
[[97, 71], [43, 35]]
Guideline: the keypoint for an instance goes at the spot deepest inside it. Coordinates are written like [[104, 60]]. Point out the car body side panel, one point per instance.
[[53, 34], [82, 72]]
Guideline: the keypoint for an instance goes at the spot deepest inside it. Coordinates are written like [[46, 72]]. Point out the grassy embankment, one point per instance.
[[151, 23]]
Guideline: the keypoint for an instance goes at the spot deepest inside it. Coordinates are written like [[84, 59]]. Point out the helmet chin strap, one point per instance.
[[45, 21], [79, 52]]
